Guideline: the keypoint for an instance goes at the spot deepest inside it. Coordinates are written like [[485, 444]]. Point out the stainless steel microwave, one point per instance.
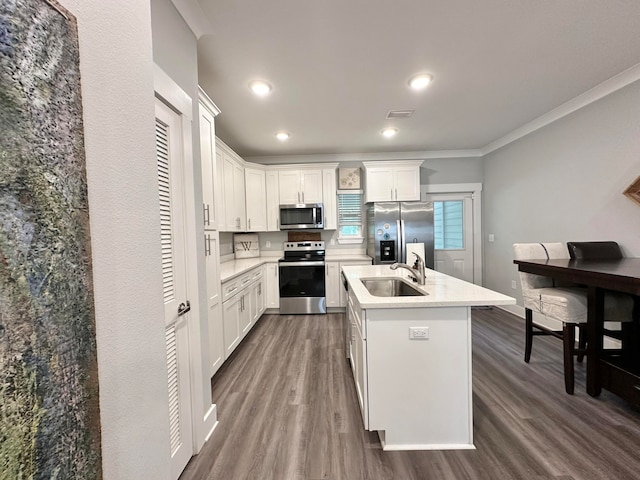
[[301, 215]]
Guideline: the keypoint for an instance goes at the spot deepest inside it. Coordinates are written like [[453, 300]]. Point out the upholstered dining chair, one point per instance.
[[554, 301], [620, 309]]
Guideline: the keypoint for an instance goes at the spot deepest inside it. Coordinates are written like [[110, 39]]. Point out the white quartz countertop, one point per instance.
[[337, 257], [234, 268], [442, 290]]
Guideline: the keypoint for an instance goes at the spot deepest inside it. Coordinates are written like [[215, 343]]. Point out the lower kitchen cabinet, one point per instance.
[[244, 301], [272, 284], [332, 283], [334, 292], [231, 321], [359, 356]]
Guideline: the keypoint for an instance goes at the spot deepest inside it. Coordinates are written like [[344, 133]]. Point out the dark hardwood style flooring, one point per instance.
[[287, 409]]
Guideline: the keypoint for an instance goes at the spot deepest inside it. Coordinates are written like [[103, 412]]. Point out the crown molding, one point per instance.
[[607, 87], [363, 157]]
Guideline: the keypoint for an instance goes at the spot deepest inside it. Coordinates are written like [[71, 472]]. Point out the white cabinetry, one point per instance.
[[329, 199], [392, 181], [359, 355], [210, 193], [300, 186], [272, 283], [273, 201], [214, 314], [243, 304], [334, 291], [332, 282], [231, 170], [211, 209], [256, 199]]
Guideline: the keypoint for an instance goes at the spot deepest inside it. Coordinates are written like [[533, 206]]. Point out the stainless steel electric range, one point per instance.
[[302, 278]]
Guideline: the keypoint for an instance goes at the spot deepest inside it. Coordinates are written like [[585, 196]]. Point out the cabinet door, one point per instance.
[[208, 166], [379, 185], [262, 298], [289, 191], [273, 202], [256, 195], [272, 283], [245, 312], [230, 212], [221, 213], [332, 293], [212, 267], [216, 338], [239, 197], [231, 319], [311, 186], [329, 199], [407, 184]]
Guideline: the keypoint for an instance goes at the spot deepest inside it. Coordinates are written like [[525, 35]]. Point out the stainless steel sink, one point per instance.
[[390, 287]]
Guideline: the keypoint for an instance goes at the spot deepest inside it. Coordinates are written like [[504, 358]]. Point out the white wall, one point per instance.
[[564, 183], [117, 89]]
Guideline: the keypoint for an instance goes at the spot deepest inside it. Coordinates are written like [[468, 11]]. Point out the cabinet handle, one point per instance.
[[249, 223], [207, 245], [205, 213], [392, 194]]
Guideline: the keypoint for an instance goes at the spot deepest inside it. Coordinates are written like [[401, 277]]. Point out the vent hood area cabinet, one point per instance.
[[300, 186], [397, 181]]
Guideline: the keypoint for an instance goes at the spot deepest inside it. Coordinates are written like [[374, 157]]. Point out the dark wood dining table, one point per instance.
[[617, 373]]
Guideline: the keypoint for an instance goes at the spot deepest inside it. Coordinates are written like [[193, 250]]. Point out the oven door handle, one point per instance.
[[302, 264]]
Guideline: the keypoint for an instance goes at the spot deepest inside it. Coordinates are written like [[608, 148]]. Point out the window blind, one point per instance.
[[350, 209]]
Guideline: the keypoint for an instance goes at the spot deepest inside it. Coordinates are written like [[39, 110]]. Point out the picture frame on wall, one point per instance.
[[633, 191]]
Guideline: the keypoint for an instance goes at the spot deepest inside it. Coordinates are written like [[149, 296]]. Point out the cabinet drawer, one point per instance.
[[230, 288], [257, 274]]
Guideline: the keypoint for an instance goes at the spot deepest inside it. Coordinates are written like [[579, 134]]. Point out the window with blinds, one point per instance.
[[350, 216], [448, 225]]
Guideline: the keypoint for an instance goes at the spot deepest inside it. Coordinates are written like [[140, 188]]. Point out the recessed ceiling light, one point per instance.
[[282, 136], [418, 82], [260, 88], [389, 132]]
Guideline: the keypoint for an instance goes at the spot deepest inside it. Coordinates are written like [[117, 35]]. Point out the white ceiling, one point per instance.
[[338, 66]]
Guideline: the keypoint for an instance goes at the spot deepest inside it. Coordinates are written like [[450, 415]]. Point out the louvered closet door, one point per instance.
[[170, 186]]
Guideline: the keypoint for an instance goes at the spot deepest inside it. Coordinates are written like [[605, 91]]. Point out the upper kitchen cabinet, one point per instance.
[[392, 181], [256, 198], [231, 170], [300, 186], [273, 201], [329, 198], [210, 189]]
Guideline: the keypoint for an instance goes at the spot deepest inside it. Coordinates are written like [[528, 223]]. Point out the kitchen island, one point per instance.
[[411, 356]]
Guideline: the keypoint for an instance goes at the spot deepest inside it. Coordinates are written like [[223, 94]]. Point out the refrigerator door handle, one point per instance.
[[400, 247], [403, 245]]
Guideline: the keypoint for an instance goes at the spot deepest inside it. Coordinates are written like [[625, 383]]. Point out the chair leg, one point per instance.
[[582, 341], [568, 340], [528, 334]]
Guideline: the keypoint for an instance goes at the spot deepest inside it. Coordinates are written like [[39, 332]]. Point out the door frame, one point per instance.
[[204, 416], [475, 190]]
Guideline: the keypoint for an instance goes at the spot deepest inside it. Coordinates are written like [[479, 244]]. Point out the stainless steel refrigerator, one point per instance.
[[391, 225]]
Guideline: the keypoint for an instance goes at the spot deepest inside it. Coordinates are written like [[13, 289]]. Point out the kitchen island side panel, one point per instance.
[[420, 390]]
